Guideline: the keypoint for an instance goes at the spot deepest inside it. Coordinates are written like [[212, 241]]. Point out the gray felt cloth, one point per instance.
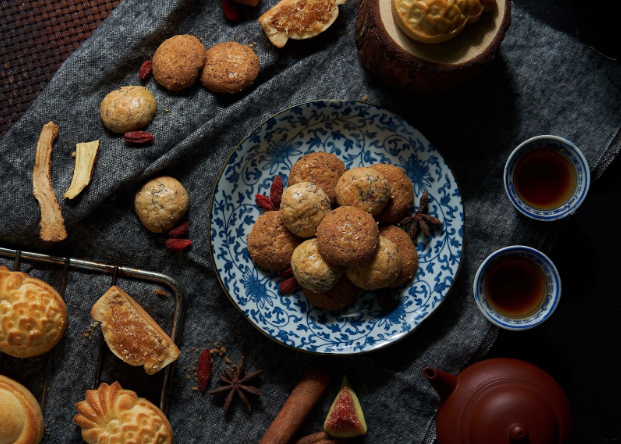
[[541, 82]]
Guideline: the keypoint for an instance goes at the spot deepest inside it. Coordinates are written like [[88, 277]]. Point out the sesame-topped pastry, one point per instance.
[[311, 270], [381, 271], [131, 333], [401, 200], [363, 188], [33, 316], [270, 243], [322, 169], [303, 207], [437, 21], [112, 414]]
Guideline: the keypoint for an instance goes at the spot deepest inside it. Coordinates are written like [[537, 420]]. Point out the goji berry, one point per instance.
[[178, 244], [264, 202], [145, 69], [231, 11], [138, 137], [286, 273], [288, 285], [203, 372], [276, 190], [180, 230]]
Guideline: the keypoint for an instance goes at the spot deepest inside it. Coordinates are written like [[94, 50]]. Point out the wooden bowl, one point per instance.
[[425, 69]]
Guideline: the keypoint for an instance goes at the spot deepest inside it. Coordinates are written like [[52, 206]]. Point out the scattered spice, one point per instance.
[[180, 230], [236, 384], [276, 190], [231, 11], [288, 285], [138, 137], [264, 202], [178, 244], [204, 370], [145, 70], [420, 219]]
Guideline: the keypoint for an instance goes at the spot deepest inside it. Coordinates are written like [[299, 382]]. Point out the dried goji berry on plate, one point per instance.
[[276, 190], [288, 285], [264, 202]]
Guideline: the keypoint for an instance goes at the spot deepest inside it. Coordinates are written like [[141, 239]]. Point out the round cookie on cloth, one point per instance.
[[409, 256], [33, 316], [270, 243], [302, 207], [127, 109], [161, 203], [338, 297], [311, 270], [21, 419], [401, 202], [229, 68], [347, 236], [323, 169], [381, 271], [178, 61], [363, 188]]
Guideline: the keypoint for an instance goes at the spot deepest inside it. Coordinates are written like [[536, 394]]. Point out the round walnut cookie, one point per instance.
[[178, 61], [302, 207], [379, 272], [363, 188], [270, 243], [409, 256], [347, 236], [127, 109], [401, 200], [311, 270], [161, 203], [229, 68], [338, 297], [323, 169]]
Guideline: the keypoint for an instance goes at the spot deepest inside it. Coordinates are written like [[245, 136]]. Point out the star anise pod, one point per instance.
[[236, 383], [421, 220]]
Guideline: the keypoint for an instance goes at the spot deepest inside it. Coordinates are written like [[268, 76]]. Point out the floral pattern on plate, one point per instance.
[[359, 134]]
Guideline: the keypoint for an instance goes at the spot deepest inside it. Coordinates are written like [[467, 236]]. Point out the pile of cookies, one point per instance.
[[335, 230]]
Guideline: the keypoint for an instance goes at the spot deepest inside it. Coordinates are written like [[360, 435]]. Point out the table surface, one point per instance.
[[577, 345]]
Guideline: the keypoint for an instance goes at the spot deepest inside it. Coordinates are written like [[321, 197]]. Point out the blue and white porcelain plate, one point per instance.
[[359, 134]]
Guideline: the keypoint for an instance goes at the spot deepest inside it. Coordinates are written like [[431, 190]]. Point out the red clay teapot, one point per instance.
[[500, 401]]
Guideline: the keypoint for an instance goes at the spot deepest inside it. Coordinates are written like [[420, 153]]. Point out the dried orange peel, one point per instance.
[[437, 21], [86, 154], [52, 222], [298, 19]]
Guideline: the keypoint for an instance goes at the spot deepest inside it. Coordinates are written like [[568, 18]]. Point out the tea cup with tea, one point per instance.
[[517, 287], [547, 178]]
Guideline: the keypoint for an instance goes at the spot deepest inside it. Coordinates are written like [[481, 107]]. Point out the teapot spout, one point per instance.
[[443, 383]]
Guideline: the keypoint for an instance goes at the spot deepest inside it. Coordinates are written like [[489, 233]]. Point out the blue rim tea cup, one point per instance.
[[544, 308], [581, 177]]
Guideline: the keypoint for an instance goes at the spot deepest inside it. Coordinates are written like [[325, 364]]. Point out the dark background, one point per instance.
[[579, 345]]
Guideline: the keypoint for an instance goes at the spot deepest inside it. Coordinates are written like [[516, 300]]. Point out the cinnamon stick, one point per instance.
[[297, 407], [52, 222]]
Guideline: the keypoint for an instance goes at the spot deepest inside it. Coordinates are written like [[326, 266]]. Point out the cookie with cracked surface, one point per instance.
[[347, 236], [341, 295], [381, 270], [178, 61], [311, 270], [161, 203], [229, 68], [409, 256], [322, 169], [33, 316], [401, 202], [302, 207], [270, 243], [363, 188]]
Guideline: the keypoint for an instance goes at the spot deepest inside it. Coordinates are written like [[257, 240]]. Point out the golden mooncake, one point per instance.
[[33, 316], [437, 21], [131, 333], [21, 419], [112, 414]]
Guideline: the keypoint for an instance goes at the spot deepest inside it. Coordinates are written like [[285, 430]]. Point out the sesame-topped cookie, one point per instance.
[[347, 236], [311, 270], [302, 207], [323, 169], [409, 256], [270, 243], [401, 200], [363, 188], [381, 270]]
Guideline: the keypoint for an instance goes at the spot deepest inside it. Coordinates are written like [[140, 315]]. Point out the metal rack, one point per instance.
[[114, 270]]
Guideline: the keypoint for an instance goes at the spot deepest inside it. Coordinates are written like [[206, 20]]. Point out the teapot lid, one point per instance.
[[499, 401]]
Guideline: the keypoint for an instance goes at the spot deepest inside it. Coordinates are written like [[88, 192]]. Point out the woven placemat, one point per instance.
[[37, 36]]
